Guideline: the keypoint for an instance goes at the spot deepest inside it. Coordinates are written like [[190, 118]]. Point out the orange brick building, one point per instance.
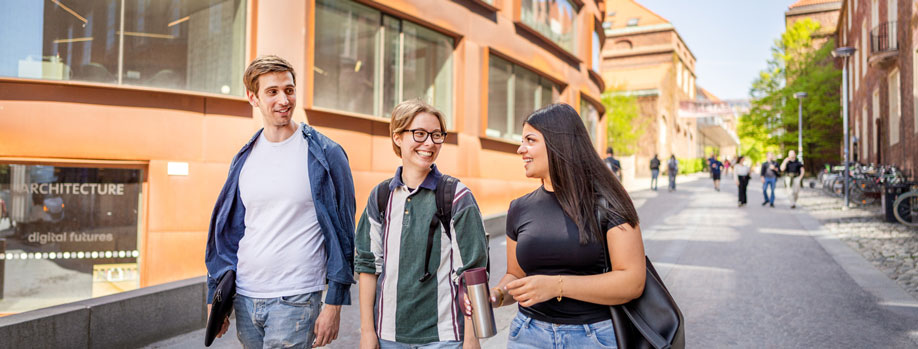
[[149, 96]]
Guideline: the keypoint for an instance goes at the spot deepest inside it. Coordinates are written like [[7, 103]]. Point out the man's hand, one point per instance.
[[326, 327], [225, 322]]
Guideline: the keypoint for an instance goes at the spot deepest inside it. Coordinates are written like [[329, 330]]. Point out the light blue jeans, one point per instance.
[[653, 178], [527, 333], [283, 322], [384, 344]]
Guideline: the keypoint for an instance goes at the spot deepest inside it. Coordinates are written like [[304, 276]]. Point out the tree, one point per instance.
[[771, 123], [624, 126]]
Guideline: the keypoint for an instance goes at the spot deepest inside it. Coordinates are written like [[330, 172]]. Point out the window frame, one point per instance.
[[895, 106], [379, 41], [246, 44], [488, 52], [586, 98], [571, 54]]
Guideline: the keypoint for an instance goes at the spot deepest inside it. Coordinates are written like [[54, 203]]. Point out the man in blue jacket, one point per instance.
[[284, 222]]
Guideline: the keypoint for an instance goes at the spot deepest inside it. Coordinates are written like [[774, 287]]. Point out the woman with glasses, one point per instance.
[[409, 265], [557, 244]]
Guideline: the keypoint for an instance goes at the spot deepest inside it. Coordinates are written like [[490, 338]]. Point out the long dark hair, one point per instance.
[[576, 170]]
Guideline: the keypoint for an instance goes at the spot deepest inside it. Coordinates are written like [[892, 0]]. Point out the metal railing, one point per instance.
[[884, 38]]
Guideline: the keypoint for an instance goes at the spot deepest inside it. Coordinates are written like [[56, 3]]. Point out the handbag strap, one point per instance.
[[655, 339]]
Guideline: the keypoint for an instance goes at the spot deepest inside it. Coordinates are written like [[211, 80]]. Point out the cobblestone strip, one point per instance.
[[891, 247]]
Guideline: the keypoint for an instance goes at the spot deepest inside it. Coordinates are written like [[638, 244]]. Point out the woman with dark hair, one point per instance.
[[559, 235], [741, 174]]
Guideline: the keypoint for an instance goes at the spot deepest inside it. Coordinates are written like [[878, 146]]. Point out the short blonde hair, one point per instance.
[[263, 65], [403, 114]]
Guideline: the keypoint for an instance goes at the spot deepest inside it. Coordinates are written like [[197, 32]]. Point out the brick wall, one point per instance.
[[876, 147]]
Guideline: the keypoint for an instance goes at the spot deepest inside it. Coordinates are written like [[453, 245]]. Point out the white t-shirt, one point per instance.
[[283, 250]]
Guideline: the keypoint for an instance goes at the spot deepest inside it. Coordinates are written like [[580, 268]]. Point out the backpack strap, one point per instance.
[[446, 189], [382, 198]]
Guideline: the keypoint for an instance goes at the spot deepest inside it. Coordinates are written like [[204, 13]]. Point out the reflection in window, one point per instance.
[[190, 45], [555, 19], [513, 93], [367, 62], [590, 116], [67, 234]]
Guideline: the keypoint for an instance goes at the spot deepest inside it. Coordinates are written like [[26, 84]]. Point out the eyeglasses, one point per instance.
[[421, 135]]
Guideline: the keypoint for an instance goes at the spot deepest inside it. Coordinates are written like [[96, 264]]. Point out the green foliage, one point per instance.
[[692, 165], [771, 123], [624, 126]]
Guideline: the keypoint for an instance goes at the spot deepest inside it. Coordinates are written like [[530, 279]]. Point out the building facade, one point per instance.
[[118, 120], [645, 56], [824, 12], [882, 83]]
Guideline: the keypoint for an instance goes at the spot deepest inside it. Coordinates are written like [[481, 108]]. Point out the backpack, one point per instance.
[[443, 195]]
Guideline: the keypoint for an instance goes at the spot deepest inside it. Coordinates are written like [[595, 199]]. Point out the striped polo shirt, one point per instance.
[[406, 309]]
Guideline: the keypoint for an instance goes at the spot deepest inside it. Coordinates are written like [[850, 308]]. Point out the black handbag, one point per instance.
[[221, 306], [652, 320]]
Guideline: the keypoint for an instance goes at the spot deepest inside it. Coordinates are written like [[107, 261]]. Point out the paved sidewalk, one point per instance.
[[751, 277]]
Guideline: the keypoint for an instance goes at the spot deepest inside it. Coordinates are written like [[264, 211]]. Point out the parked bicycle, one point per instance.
[[906, 207]]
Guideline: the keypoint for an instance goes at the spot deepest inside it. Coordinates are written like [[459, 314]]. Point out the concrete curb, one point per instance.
[[125, 320]]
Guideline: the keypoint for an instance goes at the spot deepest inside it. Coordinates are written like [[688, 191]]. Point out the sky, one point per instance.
[[731, 39]]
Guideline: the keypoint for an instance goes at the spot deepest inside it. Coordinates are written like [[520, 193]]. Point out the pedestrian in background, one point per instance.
[[769, 174], [741, 177], [727, 165], [793, 172], [654, 172], [716, 168], [404, 301], [613, 164], [556, 240], [672, 169]]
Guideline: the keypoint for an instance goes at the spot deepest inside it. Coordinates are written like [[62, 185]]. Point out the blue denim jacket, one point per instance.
[[333, 193]]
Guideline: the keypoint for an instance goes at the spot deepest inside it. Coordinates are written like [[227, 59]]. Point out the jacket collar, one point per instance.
[[430, 182]]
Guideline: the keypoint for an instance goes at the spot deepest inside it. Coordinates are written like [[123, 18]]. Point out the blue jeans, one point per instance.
[[384, 344], [672, 181], [281, 322], [653, 179], [769, 182], [527, 333]]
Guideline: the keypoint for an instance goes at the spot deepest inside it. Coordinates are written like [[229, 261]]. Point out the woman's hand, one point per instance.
[[471, 343], [535, 289], [368, 340], [497, 296]]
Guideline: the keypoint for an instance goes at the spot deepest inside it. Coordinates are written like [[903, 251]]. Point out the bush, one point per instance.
[[687, 166]]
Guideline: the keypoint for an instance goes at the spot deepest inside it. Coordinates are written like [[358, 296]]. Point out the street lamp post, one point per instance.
[[845, 52], [800, 96]]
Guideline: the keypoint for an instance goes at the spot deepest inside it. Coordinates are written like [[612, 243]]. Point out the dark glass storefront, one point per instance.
[[66, 234]]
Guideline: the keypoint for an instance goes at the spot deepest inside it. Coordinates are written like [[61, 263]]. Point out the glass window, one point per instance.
[[590, 116], [345, 56], [189, 45], [555, 19], [67, 234], [894, 112], [367, 62], [633, 22], [597, 52], [514, 92]]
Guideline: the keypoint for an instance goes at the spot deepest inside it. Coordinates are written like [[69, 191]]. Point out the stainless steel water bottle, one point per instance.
[[476, 281]]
